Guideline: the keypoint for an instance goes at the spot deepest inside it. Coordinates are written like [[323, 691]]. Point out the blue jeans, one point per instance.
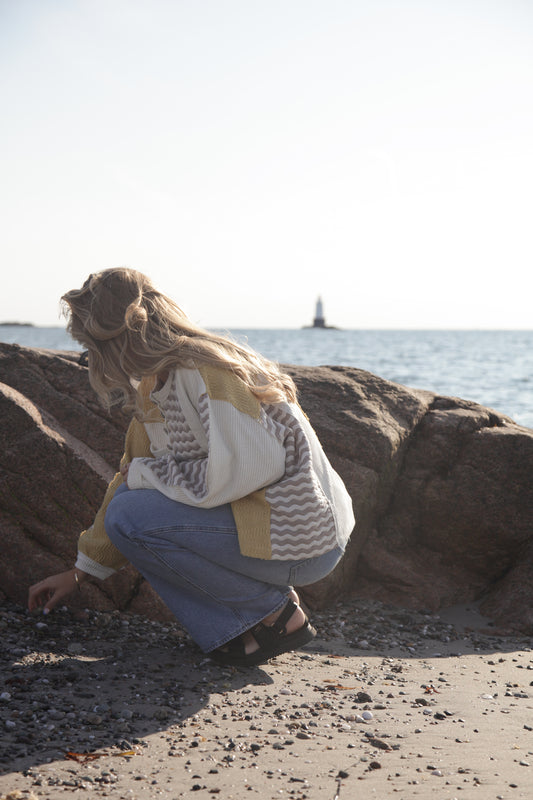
[[191, 558]]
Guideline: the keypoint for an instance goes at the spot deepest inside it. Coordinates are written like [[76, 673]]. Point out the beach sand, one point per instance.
[[384, 703]]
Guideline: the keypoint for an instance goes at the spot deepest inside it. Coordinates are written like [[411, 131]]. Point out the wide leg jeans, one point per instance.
[[191, 558]]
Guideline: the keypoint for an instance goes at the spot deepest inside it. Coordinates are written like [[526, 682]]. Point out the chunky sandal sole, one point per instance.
[[272, 640]]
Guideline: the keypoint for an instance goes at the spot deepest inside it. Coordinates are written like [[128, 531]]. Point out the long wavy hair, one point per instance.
[[133, 331]]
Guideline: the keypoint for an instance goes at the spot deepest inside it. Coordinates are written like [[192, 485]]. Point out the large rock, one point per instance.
[[58, 451], [441, 487]]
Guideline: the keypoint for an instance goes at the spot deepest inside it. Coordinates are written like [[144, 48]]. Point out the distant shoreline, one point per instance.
[[17, 324]]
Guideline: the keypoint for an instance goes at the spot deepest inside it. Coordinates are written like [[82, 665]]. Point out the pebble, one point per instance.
[[162, 713]]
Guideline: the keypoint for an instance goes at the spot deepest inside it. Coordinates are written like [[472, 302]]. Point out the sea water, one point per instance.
[[494, 368]]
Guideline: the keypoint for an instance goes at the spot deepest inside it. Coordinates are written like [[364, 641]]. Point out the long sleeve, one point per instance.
[[96, 554]]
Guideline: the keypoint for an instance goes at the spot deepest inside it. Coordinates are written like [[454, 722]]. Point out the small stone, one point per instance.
[[163, 712], [75, 648], [367, 715], [94, 719]]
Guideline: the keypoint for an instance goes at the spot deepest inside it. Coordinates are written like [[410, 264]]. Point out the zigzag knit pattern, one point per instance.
[[298, 508], [186, 463]]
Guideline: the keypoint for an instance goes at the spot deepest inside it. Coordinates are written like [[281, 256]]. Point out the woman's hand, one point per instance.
[[53, 589]]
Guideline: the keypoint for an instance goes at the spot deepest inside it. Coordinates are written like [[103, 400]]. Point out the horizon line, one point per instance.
[[229, 328]]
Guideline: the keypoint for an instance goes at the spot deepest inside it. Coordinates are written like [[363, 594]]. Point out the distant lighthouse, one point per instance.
[[319, 321]]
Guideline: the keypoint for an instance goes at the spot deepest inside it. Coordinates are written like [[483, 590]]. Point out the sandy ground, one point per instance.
[[385, 703]]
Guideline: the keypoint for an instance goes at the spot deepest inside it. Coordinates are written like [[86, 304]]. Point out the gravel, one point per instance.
[[110, 702]]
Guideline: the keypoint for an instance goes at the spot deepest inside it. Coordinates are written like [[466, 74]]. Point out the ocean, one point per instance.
[[494, 368]]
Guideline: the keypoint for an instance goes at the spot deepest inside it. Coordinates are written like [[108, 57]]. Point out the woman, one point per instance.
[[225, 498]]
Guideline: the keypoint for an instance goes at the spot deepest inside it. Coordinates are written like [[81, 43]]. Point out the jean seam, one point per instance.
[[179, 529]]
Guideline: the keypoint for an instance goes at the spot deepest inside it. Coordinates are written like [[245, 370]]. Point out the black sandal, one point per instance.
[[272, 640]]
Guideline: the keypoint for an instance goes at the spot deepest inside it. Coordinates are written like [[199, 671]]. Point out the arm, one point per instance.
[[96, 553]]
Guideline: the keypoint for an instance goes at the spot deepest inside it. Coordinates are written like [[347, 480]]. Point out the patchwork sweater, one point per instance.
[[206, 440]]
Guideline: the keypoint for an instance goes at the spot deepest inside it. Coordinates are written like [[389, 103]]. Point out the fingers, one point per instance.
[[50, 591], [52, 600], [36, 596], [39, 595]]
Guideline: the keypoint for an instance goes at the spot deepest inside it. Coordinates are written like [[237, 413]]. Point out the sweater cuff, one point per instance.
[[93, 568], [136, 479]]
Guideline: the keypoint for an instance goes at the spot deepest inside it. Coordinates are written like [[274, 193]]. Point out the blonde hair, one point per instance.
[[133, 331]]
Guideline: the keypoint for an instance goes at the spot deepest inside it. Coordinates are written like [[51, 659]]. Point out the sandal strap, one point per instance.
[[267, 635], [280, 624], [234, 647]]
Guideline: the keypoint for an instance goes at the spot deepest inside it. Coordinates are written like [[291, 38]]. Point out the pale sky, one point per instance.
[[250, 155]]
